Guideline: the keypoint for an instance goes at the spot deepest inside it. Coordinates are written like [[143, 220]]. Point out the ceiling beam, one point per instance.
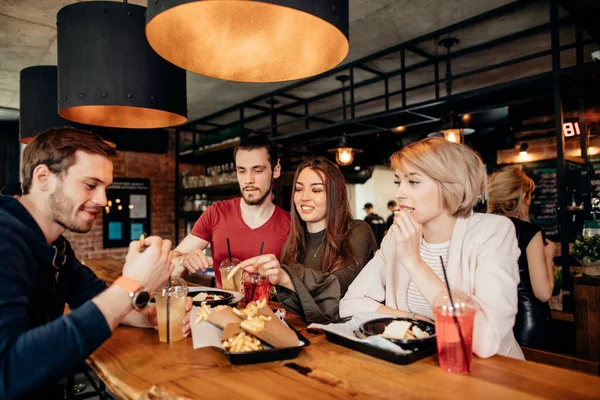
[[371, 70]]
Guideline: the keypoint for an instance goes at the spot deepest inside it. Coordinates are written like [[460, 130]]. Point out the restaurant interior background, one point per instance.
[[514, 80]]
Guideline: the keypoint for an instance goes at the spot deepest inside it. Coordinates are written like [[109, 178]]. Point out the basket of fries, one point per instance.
[[253, 334]]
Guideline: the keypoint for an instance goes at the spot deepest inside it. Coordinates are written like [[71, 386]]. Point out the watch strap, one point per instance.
[[127, 284]]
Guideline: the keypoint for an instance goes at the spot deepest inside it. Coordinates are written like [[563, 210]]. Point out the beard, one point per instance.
[[61, 207], [260, 200]]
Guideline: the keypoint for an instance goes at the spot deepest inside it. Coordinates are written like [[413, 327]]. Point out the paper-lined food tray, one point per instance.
[[225, 324], [347, 334]]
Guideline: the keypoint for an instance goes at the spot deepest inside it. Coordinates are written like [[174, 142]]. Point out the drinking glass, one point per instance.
[[454, 355], [177, 296], [225, 268]]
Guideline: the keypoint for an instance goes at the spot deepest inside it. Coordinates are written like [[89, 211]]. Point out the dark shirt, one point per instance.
[[533, 316], [377, 225], [38, 345], [389, 222], [317, 294]]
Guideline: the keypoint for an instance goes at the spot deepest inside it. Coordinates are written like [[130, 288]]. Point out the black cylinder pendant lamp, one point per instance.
[[109, 76], [250, 41], [38, 97]]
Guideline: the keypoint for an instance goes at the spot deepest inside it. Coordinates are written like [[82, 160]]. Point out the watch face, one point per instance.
[[141, 299]]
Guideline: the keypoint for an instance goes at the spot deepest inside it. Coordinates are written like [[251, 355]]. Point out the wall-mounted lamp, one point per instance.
[[250, 41], [344, 154], [523, 149]]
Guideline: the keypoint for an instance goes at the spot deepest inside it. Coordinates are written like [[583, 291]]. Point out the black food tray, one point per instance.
[[386, 355], [253, 357]]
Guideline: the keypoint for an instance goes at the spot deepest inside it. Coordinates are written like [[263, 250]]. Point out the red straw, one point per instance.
[[460, 335], [257, 276]]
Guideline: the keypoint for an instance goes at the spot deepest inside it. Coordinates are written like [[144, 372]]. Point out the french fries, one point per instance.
[[251, 309], [232, 272], [256, 324], [142, 238], [242, 342], [204, 311]]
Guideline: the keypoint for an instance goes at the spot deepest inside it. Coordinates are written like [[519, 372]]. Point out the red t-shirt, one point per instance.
[[224, 220]]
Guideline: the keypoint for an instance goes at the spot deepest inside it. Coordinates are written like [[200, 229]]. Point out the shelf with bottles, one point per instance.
[[214, 176], [195, 147], [194, 205]]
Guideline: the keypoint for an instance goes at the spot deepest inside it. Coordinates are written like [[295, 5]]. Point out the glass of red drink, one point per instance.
[[454, 354], [256, 287]]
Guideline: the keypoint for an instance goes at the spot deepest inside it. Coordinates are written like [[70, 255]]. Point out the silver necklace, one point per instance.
[[318, 248]]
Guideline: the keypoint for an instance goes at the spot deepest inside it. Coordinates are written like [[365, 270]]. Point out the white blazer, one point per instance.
[[482, 262]]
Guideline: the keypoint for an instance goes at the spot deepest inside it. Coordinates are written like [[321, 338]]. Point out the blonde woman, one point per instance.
[[438, 183], [510, 195]]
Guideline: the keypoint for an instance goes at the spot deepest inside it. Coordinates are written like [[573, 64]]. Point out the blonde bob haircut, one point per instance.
[[510, 193], [457, 169]]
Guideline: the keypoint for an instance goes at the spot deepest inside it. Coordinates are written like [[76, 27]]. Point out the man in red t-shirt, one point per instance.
[[246, 221]]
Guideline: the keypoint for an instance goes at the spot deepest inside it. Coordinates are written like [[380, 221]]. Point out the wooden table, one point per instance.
[[135, 365]]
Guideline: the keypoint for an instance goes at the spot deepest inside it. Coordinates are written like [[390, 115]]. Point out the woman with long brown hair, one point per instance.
[[326, 248], [510, 192]]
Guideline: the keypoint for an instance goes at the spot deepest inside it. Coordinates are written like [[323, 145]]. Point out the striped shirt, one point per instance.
[[430, 253]]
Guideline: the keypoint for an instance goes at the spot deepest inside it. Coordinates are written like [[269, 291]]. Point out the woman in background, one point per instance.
[[438, 183], [510, 195], [326, 248]]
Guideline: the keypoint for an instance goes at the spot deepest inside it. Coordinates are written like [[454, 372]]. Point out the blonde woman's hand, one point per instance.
[[549, 249], [266, 265], [408, 234]]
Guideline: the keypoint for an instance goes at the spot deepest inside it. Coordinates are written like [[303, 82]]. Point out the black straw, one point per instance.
[[229, 252], [460, 334], [169, 310]]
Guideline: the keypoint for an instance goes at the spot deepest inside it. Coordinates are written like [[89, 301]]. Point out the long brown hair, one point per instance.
[[510, 193], [337, 250]]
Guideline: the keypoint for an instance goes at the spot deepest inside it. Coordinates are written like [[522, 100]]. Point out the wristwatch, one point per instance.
[[139, 295]]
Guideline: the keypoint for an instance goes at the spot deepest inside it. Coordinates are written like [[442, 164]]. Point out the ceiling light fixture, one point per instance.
[[250, 41], [108, 75], [453, 130], [523, 149], [38, 97], [344, 154]]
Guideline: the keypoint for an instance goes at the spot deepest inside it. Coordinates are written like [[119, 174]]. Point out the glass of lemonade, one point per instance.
[[225, 268], [177, 296]]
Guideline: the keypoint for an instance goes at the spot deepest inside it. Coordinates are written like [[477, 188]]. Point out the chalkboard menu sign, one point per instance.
[[127, 214], [543, 211], [595, 177]]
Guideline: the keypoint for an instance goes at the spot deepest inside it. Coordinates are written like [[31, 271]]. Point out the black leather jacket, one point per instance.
[[533, 316]]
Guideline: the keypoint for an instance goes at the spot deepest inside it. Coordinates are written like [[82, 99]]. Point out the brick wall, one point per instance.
[[160, 169]]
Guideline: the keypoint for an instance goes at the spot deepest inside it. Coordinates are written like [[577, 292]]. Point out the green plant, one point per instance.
[[586, 248], [557, 280]]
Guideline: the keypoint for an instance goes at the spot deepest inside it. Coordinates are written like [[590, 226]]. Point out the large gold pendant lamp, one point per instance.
[[108, 75], [250, 41]]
